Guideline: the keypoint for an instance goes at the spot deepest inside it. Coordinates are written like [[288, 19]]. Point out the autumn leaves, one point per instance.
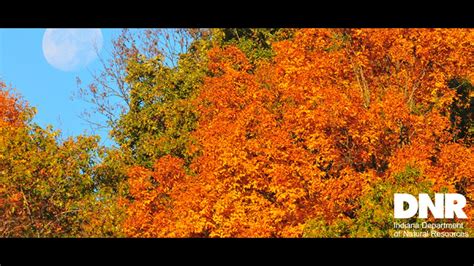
[[308, 136]]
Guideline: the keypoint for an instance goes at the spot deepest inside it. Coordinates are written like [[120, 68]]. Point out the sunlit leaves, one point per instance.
[[48, 186], [251, 133], [312, 132]]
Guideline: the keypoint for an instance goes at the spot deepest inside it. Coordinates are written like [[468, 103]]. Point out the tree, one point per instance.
[[48, 186], [309, 132], [145, 91], [109, 92]]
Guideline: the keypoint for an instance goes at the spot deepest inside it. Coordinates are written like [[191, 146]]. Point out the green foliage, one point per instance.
[[374, 218], [161, 115], [255, 43], [320, 228], [50, 182]]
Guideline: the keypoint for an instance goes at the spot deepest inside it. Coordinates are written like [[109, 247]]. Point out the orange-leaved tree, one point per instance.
[[309, 133]]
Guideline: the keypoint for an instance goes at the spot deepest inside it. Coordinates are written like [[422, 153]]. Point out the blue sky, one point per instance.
[[24, 67]]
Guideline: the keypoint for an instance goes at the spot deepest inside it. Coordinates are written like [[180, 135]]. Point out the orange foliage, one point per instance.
[[161, 197], [10, 116], [303, 136], [10, 108]]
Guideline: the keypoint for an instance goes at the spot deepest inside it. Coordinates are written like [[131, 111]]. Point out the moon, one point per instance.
[[71, 49]]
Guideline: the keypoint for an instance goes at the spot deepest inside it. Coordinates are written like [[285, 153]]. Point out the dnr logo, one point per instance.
[[445, 206]]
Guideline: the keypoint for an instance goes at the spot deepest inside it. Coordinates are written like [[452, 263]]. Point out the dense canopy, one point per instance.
[[250, 133]]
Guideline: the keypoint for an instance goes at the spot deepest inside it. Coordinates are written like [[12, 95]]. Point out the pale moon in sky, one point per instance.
[[71, 49]]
